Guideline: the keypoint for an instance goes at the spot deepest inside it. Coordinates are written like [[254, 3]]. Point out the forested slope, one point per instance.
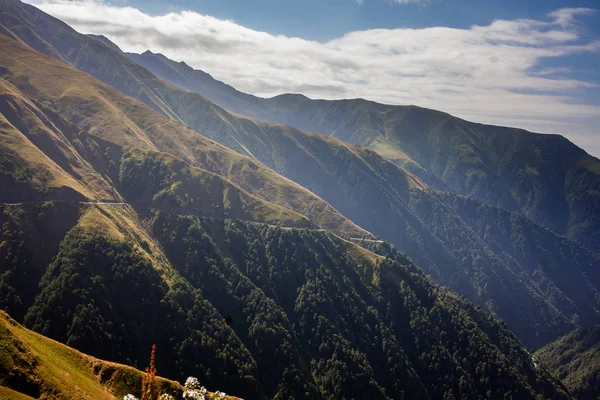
[[575, 358], [262, 311]]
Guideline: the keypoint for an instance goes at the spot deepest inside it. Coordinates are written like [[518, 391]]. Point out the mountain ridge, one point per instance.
[[396, 133]]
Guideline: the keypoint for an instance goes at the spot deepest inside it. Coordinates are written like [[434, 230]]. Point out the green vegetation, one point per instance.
[[161, 181], [71, 97], [33, 366], [29, 238], [544, 177], [103, 297], [575, 358], [266, 312], [18, 173]]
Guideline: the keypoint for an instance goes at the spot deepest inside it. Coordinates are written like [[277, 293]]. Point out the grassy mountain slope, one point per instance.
[[545, 177], [33, 366], [359, 183], [161, 181], [66, 175], [83, 104], [575, 358], [41, 164]]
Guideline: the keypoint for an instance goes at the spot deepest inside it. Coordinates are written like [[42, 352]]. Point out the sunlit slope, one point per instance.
[[33, 366], [38, 161], [92, 107], [47, 159], [575, 358]]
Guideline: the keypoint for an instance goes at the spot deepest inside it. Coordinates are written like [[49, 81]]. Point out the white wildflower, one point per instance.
[[193, 394], [203, 390], [222, 395], [191, 383], [129, 397]]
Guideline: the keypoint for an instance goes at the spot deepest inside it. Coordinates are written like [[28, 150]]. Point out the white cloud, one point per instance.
[[566, 16], [483, 73]]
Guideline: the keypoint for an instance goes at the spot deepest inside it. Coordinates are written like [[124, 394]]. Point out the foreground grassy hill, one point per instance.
[[544, 177], [359, 183], [33, 367], [575, 358]]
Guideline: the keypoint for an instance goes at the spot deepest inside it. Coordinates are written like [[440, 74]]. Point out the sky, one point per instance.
[[522, 63]]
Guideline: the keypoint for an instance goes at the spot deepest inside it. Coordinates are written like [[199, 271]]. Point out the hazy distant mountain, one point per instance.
[[185, 77], [523, 285], [545, 177]]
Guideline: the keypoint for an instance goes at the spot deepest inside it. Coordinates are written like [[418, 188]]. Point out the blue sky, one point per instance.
[[529, 64], [325, 20]]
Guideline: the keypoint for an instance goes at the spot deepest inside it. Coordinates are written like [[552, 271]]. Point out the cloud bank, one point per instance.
[[488, 74]]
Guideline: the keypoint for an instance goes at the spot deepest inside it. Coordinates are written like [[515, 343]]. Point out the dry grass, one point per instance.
[[46, 174], [107, 113], [29, 136], [360, 255], [99, 222], [60, 372]]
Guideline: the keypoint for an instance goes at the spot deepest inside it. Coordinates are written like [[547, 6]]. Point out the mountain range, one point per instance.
[[544, 177], [145, 202], [358, 183]]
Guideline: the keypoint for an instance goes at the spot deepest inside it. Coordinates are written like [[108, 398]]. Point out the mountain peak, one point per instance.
[[105, 41]]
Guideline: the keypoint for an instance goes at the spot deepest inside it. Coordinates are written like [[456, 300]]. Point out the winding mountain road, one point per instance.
[[122, 203]]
